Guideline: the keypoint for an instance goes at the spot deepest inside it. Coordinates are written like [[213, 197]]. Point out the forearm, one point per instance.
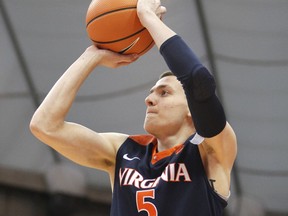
[[199, 85], [56, 105], [179, 57], [53, 110]]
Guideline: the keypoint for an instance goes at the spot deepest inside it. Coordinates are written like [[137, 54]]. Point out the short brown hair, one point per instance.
[[165, 74]]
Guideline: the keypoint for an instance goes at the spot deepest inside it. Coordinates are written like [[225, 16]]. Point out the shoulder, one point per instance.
[[115, 139], [143, 139], [136, 144], [118, 139]]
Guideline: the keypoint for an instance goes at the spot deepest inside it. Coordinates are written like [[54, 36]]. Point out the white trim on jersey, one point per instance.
[[197, 139]]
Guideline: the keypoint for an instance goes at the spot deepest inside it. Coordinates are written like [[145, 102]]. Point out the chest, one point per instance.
[[140, 168]]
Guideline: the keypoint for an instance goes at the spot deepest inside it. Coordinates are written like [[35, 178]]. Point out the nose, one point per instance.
[[150, 101]]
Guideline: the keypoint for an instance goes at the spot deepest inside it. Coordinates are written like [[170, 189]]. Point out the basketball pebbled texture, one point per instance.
[[114, 25]]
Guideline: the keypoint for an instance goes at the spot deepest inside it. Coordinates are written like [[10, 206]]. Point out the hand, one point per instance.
[[146, 8], [150, 14], [109, 58]]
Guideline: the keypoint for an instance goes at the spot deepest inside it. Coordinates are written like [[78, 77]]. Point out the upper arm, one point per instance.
[[222, 147], [82, 145], [218, 155]]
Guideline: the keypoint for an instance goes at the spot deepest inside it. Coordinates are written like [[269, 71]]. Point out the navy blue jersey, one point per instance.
[[168, 183]]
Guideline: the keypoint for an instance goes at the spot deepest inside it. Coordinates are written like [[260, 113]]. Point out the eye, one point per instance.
[[164, 93]]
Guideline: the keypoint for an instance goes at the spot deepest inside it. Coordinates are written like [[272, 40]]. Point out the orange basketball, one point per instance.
[[114, 25]]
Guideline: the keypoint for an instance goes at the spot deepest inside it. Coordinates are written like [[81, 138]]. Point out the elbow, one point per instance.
[[204, 85], [36, 127], [41, 126]]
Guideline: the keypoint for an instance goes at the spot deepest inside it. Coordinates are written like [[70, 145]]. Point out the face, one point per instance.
[[167, 109]]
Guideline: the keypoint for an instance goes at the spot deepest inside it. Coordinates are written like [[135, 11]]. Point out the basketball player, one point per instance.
[[182, 165]]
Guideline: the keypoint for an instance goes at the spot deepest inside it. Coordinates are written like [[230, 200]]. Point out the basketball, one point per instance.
[[114, 25]]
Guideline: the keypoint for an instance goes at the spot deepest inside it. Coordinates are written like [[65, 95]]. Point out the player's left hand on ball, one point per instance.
[[146, 7]]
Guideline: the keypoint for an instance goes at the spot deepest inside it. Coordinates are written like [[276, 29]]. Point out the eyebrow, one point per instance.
[[157, 88]]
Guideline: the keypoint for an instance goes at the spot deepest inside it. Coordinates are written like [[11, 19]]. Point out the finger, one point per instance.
[[128, 59], [120, 64], [161, 11]]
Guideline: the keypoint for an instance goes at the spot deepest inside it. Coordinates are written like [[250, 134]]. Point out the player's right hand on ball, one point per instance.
[[109, 58]]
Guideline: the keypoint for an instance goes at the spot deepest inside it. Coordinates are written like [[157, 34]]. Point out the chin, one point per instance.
[[151, 128]]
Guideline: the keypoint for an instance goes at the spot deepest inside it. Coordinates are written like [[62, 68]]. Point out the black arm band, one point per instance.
[[199, 86]]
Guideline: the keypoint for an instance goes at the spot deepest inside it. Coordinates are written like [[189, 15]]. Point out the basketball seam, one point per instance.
[[101, 42], [147, 47], [103, 14]]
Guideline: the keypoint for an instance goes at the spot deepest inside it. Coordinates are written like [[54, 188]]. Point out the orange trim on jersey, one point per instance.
[[156, 156], [143, 139], [146, 139]]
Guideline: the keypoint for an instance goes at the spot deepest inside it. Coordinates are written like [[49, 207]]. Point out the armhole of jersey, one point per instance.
[[226, 198], [197, 140]]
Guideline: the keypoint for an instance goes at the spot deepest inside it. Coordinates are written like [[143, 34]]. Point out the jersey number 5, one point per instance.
[[143, 205]]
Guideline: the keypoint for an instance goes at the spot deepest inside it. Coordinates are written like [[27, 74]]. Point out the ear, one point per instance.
[[189, 116], [189, 113]]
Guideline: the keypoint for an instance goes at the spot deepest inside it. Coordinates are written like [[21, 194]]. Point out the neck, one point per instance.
[[167, 141]]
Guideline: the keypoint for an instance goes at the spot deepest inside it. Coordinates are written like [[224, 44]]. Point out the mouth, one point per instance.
[[151, 112]]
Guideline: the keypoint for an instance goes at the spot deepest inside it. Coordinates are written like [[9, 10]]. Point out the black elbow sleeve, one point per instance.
[[203, 86], [206, 110]]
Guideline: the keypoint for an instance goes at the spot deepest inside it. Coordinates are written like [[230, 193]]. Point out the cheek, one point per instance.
[[176, 104], [175, 110], [169, 109]]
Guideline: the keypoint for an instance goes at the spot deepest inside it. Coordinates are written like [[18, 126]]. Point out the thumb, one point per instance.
[[161, 11]]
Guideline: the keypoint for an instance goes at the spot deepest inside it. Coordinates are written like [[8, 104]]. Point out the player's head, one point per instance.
[[167, 109], [165, 74]]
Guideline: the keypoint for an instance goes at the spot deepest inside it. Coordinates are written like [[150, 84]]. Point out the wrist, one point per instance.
[[91, 56], [147, 17]]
